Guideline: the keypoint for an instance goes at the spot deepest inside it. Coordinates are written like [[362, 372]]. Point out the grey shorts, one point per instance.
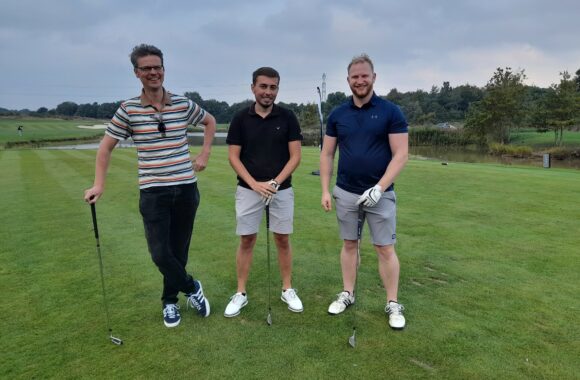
[[381, 219], [249, 208]]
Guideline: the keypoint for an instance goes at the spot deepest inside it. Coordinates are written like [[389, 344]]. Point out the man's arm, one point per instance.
[[295, 148], [200, 161], [326, 165], [399, 143], [262, 188], [104, 152]]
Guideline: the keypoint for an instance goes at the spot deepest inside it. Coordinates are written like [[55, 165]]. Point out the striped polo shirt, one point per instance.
[[163, 157]]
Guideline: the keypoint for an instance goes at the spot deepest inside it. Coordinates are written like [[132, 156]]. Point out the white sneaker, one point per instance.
[[344, 300], [238, 301], [396, 318], [291, 298]]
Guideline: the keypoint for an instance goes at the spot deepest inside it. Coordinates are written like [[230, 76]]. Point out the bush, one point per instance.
[[437, 136], [510, 150], [561, 153]]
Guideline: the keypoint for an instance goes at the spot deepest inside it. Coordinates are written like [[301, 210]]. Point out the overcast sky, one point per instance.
[[55, 51]]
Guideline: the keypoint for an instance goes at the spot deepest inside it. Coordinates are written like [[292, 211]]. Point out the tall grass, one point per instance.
[[489, 277]]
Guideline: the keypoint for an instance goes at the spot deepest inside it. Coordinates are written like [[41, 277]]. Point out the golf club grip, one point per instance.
[[361, 216], [268, 218], [94, 214]]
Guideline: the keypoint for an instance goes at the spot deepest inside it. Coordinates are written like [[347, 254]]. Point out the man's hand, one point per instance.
[[371, 197], [326, 201], [93, 194], [268, 198], [200, 161]]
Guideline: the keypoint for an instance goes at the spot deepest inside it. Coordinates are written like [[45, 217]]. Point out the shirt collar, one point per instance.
[[274, 112], [146, 102], [371, 103]]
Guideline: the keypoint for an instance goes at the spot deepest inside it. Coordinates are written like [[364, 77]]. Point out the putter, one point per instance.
[[361, 215], [114, 340], [269, 317]]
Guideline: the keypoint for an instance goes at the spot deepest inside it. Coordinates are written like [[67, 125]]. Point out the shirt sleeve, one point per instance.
[[235, 131], [398, 122], [196, 113], [331, 124], [120, 126], [294, 132]]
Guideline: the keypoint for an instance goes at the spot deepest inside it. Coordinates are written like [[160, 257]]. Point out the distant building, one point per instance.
[[445, 125]]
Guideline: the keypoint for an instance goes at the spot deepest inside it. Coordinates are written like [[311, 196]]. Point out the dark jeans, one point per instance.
[[168, 215]]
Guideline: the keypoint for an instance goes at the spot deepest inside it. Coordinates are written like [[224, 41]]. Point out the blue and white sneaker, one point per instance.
[[198, 301], [171, 316]]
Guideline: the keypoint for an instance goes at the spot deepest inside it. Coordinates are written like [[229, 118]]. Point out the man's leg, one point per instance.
[[244, 257], [389, 270], [284, 258], [348, 262], [155, 206], [183, 213]]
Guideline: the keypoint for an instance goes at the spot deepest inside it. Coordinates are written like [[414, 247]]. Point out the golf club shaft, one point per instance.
[[268, 255], [360, 222], [96, 229]]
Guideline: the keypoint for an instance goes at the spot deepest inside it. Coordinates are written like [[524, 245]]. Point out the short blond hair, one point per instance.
[[362, 58]]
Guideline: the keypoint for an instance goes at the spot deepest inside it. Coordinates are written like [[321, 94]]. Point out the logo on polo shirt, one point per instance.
[[374, 116]]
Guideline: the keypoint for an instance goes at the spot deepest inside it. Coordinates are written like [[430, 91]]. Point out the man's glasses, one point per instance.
[[148, 69], [160, 124]]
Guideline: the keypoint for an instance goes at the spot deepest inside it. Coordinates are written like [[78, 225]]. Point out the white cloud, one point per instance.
[[78, 50]]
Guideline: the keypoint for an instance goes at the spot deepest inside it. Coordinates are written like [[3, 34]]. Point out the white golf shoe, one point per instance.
[[343, 300], [237, 301], [396, 317], [291, 298]]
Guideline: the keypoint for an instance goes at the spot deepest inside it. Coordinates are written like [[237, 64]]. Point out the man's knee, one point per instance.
[[282, 240], [247, 242], [385, 251]]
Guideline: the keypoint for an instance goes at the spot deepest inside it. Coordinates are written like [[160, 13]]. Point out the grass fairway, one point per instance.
[[534, 138], [42, 130], [489, 277]]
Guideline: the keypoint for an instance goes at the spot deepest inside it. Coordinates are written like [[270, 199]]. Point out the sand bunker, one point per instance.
[[96, 126]]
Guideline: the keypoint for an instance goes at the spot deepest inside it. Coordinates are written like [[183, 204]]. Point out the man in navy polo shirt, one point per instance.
[[264, 150], [372, 137]]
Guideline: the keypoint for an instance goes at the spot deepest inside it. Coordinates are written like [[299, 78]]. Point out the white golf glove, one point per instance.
[[370, 197], [275, 185]]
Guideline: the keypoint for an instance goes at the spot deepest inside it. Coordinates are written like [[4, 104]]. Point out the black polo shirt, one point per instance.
[[264, 142]]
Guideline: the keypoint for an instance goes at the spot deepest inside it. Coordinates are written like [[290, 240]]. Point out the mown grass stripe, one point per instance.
[[493, 250]]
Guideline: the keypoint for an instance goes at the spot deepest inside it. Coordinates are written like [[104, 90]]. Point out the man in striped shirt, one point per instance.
[[157, 122]]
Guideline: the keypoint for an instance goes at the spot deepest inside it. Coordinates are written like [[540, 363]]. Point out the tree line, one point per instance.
[[488, 113]]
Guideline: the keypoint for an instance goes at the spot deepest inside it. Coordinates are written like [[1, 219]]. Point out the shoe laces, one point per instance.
[[191, 300], [170, 310], [238, 298], [344, 297], [290, 294], [395, 308]]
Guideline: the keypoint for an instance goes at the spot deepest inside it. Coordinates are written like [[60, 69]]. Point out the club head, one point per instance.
[[116, 341], [269, 319], [352, 339]]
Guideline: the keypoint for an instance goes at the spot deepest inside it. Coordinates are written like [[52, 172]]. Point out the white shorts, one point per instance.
[[249, 207], [382, 218]]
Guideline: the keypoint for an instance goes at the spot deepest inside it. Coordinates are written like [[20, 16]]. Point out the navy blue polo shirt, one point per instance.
[[363, 141], [264, 142]]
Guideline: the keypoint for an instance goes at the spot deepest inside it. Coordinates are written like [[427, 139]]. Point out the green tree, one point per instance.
[[501, 109], [562, 106], [67, 108]]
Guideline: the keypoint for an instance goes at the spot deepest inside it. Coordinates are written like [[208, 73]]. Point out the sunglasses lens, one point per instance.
[[161, 127]]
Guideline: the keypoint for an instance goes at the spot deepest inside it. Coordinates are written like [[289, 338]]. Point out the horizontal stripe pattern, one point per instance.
[[163, 160]]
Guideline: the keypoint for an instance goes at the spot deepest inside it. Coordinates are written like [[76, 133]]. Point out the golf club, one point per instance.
[[317, 172], [269, 317], [352, 339], [114, 340]]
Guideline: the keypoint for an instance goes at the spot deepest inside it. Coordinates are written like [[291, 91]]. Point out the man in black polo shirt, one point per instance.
[[264, 149]]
